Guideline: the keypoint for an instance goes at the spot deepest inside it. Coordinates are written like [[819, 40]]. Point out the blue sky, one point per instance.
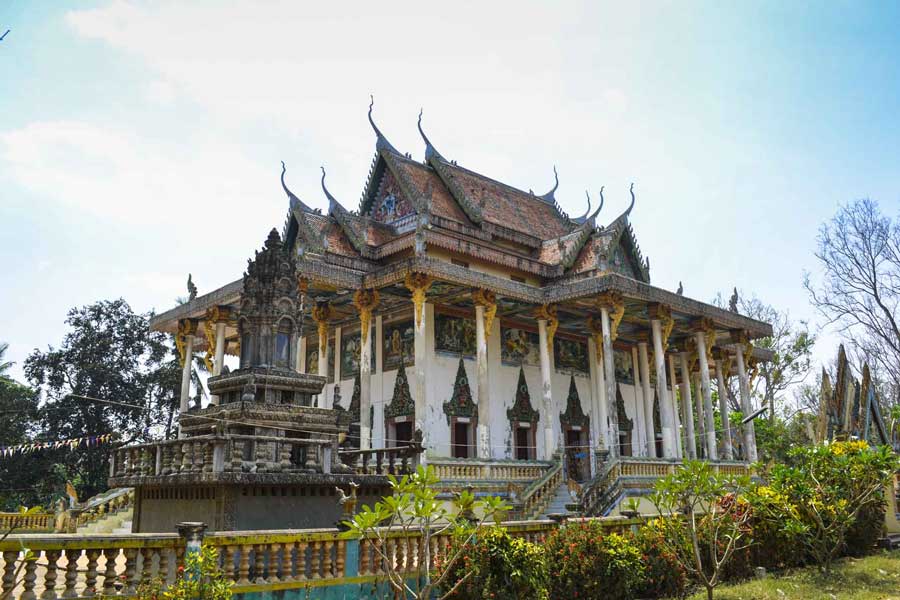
[[141, 141]]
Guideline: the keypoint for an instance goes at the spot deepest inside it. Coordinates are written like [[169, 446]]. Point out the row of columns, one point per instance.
[[604, 414]]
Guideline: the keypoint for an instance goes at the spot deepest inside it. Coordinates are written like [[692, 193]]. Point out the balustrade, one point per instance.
[[399, 460]]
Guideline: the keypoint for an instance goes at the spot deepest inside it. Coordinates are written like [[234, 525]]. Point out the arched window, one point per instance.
[[283, 345]]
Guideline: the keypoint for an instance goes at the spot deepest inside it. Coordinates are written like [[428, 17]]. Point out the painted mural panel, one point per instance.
[[399, 340], [390, 203], [571, 356], [312, 356], [519, 347], [351, 348], [624, 372], [454, 335]]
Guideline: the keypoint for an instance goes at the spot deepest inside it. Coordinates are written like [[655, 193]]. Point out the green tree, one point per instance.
[[23, 476], [5, 365], [712, 522], [110, 375], [414, 509]]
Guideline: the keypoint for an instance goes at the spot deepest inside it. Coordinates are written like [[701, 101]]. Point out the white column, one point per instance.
[[609, 374], [323, 371], [686, 407], [638, 431], [365, 387], [711, 450], [420, 349], [649, 425], [546, 390], [484, 406], [219, 358], [301, 355], [674, 395], [665, 407], [699, 424], [603, 440], [186, 378], [723, 411], [749, 430], [598, 416]]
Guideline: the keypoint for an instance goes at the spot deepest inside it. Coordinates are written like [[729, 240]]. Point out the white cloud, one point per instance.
[[115, 174]]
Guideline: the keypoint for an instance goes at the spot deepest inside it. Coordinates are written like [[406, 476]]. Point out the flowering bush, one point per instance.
[[586, 562], [199, 579], [664, 577], [499, 567], [820, 497]]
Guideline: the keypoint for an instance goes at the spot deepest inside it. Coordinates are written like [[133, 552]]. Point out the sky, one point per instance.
[[140, 142]]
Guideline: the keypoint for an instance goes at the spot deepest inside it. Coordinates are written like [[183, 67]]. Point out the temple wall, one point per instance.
[[442, 368]]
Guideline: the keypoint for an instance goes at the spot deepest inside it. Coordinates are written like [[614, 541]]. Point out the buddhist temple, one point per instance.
[[526, 347]]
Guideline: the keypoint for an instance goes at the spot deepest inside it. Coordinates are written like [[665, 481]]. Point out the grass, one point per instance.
[[872, 578]]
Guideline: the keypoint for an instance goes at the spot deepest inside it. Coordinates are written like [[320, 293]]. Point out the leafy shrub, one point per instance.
[[866, 530], [773, 546], [586, 562], [499, 567], [664, 577], [824, 493], [199, 578]]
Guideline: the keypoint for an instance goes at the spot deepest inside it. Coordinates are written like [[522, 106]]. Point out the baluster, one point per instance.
[[287, 562], [150, 555], [30, 578], [131, 571], [379, 456], [185, 451], [365, 546], [163, 569], [340, 558], [315, 560], [52, 557], [274, 563], [259, 563], [9, 571], [228, 562], [392, 458], [244, 565], [302, 561], [109, 571], [71, 580]]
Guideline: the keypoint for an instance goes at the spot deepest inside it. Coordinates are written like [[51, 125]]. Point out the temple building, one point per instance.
[[501, 329]]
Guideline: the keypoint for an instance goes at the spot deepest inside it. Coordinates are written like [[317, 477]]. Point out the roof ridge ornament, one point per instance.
[[331, 199], [430, 150], [630, 206], [295, 202], [381, 143], [549, 197]]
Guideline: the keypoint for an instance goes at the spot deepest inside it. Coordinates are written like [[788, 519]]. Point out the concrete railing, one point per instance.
[[539, 494], [74, 566], [466, 469], [600, 490], [96, 509], [12, 521], [222, 454], [399, 460]]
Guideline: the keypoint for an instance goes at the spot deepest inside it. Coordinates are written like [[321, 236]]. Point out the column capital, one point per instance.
[[659, 312], [488, 300], [365, 302], [739, 336], [219, 313], [614, 303], [703, 325], [418, 284], [547, 312], [643, 337]]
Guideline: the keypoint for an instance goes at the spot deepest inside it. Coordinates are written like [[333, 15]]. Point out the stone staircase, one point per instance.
[[559, 502], [113, 523]]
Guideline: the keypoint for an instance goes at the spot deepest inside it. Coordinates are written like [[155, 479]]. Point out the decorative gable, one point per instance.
[[461, 403], [522, 411], [573, 415], [391, 203], [402, 404]]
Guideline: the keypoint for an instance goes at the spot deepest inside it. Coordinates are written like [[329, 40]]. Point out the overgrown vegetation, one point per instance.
[[200, 578]]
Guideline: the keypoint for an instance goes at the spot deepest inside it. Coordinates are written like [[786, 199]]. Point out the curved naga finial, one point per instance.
[[381, 142], [584, 217], [295, 201], [549, 196], [602, 202], [331, 199], [430, 150], [630, 206]]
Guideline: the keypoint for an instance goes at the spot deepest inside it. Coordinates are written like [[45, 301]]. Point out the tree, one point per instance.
[[25, 477], [414, 507], [5, 365], [858, 251], [712, 525], [819, 496], [110, 375], [791, 344]]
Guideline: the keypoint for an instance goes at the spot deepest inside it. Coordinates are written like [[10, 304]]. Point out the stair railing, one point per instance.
[[538, 494]]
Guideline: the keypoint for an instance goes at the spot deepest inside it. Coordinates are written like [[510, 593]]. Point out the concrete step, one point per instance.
[[558, 503], [109, 523]]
